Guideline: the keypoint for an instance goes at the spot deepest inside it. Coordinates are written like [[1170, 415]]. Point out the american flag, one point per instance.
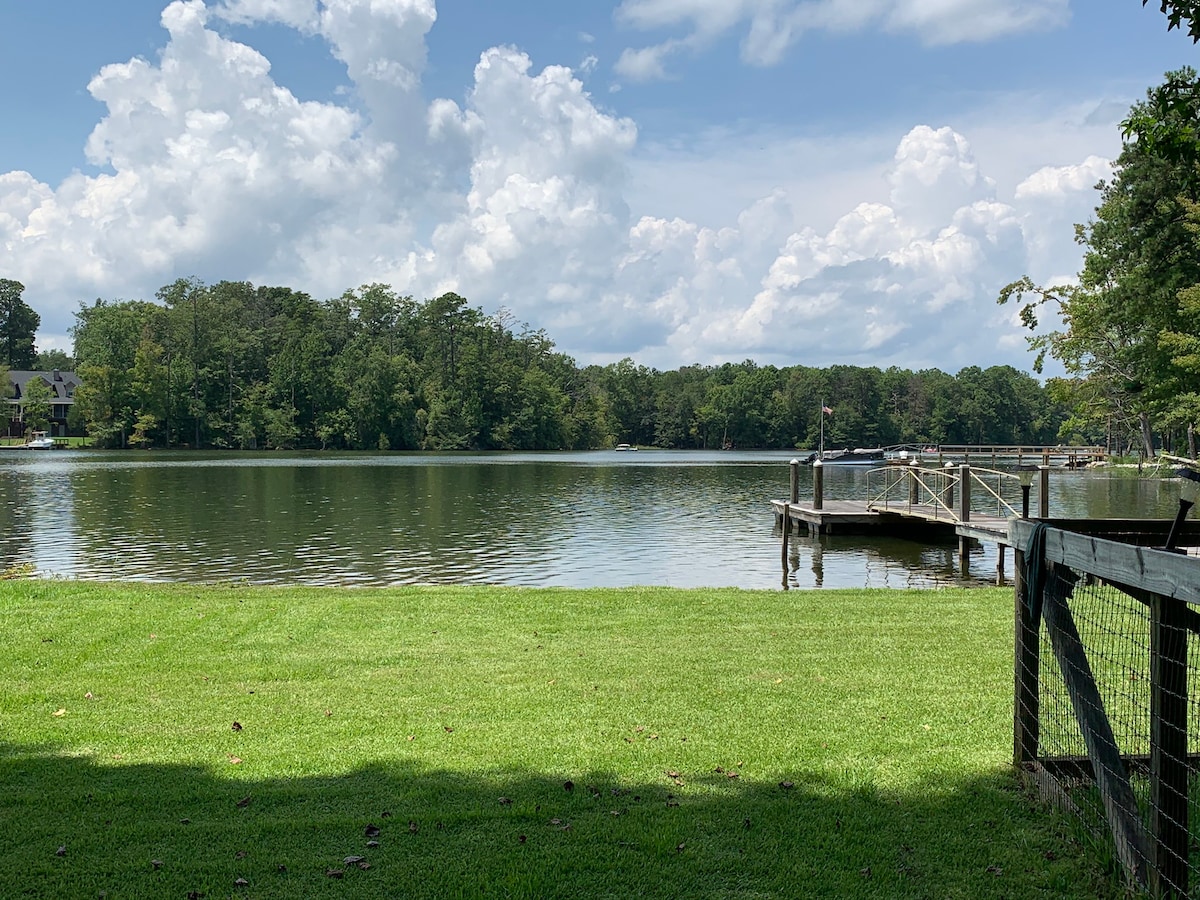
[[827, 410]]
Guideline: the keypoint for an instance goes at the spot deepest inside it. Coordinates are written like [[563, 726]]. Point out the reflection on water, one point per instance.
[[587, 519]]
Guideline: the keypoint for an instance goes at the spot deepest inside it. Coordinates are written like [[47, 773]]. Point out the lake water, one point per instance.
[[685, 519]]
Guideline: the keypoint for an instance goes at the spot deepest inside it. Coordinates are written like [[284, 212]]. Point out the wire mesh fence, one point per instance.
[[1107, 686]]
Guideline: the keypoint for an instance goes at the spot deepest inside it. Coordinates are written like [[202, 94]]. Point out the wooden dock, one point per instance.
[[922, 504], [859, 517]]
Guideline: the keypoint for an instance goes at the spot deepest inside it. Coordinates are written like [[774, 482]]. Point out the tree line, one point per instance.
[[234, 365]]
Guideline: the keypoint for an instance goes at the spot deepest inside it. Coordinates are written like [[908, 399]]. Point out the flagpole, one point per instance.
[[821, 416]]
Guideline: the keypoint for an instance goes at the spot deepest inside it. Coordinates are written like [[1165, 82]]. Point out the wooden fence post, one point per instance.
[[1026, 668], [1044, 492]]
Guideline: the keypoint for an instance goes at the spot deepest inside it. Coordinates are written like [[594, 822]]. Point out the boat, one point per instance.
[[39, 440], [857, 457], [624, 447]]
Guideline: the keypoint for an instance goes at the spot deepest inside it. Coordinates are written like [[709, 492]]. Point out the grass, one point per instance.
[[515, 743]]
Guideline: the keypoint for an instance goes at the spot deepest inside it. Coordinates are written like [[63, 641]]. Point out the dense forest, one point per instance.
[[240, 366]]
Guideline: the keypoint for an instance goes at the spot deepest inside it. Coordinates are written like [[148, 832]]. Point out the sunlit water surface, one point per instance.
[[686, 519]]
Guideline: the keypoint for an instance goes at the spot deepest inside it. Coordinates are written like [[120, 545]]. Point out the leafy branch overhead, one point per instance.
[[1180, 11]]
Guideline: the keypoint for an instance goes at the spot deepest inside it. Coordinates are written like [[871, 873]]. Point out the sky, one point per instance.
[[796, 182]]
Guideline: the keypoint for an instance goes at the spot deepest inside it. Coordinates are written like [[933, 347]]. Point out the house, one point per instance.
[[62, 396]]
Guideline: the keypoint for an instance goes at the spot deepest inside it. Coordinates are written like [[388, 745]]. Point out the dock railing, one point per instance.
[[932, 492]]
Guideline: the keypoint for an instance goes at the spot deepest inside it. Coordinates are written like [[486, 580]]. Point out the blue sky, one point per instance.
[[678, 181]]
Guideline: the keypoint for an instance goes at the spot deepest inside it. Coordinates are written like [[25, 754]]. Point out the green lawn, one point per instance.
[[515, 743]]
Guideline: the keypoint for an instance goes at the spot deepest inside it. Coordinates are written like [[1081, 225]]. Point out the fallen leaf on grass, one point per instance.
[[787, 785], [334, 873], [241, 854], [237, 726], [364, 865], [995, 870], [521, 838], [671, 773], [156, 864], [353, 860], [243, 803], [568, 785], [372, 831], [506, 801], [865, 873], [59, 713], [447, 729], [61, 851], [236, 760], [413, 827], [679, 848], [88, 696], [242, 882], [372, 844]]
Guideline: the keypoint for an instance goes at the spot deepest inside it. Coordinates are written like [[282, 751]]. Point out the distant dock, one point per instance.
[[905, 499]]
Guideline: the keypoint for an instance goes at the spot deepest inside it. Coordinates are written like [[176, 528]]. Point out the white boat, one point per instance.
[[39, 440], [624, 447]]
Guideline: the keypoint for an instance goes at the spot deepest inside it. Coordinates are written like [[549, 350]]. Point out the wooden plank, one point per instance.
[[1169, 747], [1120, 805], [1157, 571]]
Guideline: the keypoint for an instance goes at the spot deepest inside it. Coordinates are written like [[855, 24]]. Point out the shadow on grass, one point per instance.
[[78, 827]]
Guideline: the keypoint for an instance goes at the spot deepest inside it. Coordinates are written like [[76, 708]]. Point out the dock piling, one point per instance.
[[795, 493], [818, 485]]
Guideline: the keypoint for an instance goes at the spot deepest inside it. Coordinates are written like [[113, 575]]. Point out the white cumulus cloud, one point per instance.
[[519, 195]]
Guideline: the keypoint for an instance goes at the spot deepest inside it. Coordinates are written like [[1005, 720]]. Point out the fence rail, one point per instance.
[[1106, 693]]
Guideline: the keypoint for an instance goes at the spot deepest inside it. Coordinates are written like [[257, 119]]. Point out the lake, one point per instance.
[[676, 518]]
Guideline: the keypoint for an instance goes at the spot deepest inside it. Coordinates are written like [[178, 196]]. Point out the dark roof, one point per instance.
[[59, 382]]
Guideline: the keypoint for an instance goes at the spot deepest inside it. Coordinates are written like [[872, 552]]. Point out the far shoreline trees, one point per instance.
[[234, 365]]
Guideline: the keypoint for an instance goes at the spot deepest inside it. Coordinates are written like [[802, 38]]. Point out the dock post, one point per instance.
[[964, 515], [818, 484], [948, 493], [783, 553], [795, 494], [1000, 565], [1043, 492], [914, 486]]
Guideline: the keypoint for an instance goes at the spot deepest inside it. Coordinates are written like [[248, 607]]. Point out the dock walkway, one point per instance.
[[860, 517]]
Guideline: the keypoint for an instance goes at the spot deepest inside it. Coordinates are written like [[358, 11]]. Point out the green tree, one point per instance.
[[1139, 255], [35, 405], [48, 360], [18, 326]]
